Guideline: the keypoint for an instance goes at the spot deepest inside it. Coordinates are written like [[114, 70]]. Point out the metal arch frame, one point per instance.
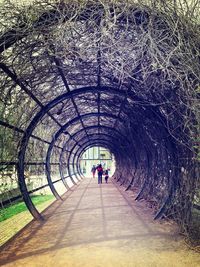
[[25, 89], [125, 139], [115, 157], [97, 126], [106, 135], [92, 135], [19, 130], [60, 70], [81, 153], [93, 127], [87, 146], [83, 150], [61, 166], [55, 138], [64, 147], [137, 145], [91, 143], [171, 182], [73, 160], [88, 128], [44, 110], [32, 125], [10, 40], [144, 184]]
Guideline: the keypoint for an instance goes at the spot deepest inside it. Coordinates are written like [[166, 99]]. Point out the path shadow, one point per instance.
[[98, 213]]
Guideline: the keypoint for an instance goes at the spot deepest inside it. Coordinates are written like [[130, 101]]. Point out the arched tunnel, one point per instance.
[[123, 76]]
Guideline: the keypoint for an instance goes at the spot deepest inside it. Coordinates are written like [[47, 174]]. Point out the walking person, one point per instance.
[[93, 171], [106, 176], [100, 173]]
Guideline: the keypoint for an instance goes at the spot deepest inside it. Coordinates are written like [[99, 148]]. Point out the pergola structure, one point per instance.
[[119, 74]]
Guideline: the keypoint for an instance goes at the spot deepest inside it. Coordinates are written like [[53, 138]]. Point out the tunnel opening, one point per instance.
[[94, 156], [97, 74]]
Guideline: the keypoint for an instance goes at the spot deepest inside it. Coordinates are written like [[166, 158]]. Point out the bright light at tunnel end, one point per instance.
[[94, 156]]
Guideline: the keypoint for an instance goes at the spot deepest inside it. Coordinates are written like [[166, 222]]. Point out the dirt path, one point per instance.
[[98, 225]]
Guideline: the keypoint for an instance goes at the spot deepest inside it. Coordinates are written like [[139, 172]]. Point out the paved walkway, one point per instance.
[[98, 225]]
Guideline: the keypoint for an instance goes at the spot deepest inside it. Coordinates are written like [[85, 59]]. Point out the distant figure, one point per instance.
[[93, 170], [106, 176], [100, 173]]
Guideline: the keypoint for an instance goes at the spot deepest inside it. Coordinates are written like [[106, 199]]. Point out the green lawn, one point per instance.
[[20, 206]]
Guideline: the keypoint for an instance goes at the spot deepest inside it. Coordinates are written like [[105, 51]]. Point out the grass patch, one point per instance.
[[20, 206]]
